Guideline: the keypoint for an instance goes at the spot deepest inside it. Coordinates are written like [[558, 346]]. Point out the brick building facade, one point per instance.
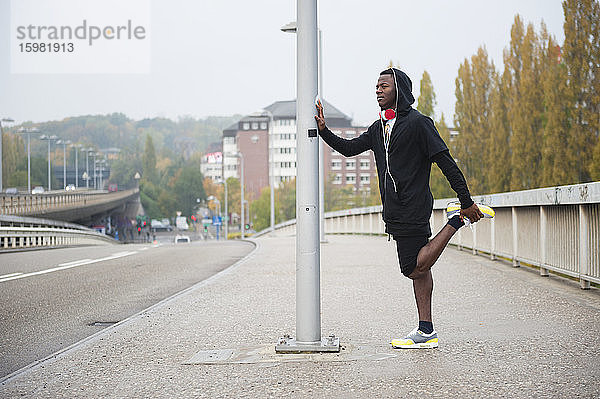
[[271, 135]]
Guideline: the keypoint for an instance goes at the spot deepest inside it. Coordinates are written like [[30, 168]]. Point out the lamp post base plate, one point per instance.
[[287, 344]]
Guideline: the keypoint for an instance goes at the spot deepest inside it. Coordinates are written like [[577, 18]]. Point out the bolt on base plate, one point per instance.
[[287, 344]]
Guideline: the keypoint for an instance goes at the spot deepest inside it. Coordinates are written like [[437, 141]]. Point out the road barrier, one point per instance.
[[20, 233], [53, 201], [555, 228]]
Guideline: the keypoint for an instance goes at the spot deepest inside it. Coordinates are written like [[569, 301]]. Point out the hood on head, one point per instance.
[[404, 97]]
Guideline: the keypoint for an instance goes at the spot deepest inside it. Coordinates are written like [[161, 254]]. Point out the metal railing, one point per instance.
[[556, 228], [20, 233], [33, 204]]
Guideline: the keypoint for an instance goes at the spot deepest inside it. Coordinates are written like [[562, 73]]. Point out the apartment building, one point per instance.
[[269, 136], [212, 166]]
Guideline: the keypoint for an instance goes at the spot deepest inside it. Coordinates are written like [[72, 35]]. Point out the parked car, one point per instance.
[[38, 190], [159, 225], [70, 187], [11, 190], [181, 239]]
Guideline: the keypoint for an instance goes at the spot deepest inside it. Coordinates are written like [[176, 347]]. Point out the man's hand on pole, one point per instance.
[[320, 118]]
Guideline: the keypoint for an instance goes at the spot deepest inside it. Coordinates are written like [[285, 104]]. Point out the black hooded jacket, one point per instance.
[[404, 169]]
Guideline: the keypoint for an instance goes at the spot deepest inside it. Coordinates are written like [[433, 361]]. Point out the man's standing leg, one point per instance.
[[424, 336], [423, 288]]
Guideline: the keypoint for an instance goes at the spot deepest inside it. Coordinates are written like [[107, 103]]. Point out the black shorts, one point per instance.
[[408, 249]]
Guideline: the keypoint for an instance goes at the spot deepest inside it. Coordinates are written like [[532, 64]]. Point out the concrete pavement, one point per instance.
[[504, 332]]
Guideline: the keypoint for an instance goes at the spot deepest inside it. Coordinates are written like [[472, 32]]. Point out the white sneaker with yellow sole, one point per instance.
[[416, 339]]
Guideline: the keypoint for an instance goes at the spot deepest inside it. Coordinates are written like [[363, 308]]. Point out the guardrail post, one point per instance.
[[543, 238], [493, 239], [515, 237], [584, 253], [474, 249], [362, 223]]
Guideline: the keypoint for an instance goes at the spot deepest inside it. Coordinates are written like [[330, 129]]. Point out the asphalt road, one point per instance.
[[51, 299]]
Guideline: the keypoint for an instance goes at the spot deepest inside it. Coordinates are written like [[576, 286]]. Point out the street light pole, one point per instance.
[[76, 146], [94, 164], [1, 158], [87, 167], [28, 131], [64, 143], [270, 158], [308, 299], [224, 182], [321, 150], [292, 28], [241, 157], [49, 139], [243, 224]]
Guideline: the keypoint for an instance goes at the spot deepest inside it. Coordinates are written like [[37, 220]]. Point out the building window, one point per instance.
[[350, 133], [365, 164], [263, 126], [336, 164], [337, 179], [350, 164], [365, 179], [350, 178], [246, 126], [228, 140], [254, 138], [254, 125]]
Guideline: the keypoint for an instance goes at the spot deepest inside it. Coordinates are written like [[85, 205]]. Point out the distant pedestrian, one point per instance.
[[405, 144]]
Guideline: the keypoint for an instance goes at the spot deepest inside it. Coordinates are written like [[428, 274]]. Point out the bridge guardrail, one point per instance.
[[555, 228], [18, 233], [32, 204]]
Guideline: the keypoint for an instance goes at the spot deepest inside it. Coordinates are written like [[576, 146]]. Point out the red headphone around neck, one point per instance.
[[388, 114]]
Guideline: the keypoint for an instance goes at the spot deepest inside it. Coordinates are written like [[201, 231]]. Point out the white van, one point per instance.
[[181, 223]]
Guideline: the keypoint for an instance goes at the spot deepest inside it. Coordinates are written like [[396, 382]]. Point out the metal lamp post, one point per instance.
[[29, 131], [308, 299], [1, 136], [216, 200], [241, 157], [99, 165], [271, 157], [49, 139], [94, 166], [291, 28], [224, 182], [88, 151], [64, 143], [77, 147]]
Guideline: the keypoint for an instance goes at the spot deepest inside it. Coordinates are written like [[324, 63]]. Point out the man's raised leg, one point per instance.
[[430, 253]]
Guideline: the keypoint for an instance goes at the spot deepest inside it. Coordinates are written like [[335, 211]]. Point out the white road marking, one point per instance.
[[74, 262], [143, 249], [10, 275], [68, 265]]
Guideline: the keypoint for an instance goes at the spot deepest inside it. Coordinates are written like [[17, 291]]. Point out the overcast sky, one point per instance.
[[229, 56]]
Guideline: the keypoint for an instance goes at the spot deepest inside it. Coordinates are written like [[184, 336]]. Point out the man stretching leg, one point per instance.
[[405, 144]]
